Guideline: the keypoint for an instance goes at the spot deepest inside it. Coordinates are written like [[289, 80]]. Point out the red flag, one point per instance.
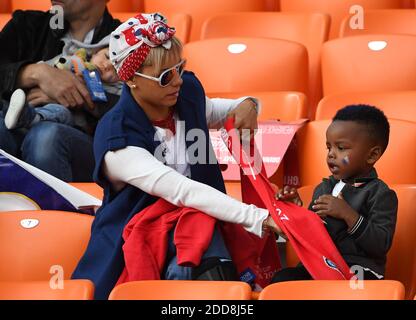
[[303, 228]]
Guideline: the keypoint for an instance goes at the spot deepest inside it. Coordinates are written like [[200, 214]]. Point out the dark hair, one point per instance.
[[373, 118]]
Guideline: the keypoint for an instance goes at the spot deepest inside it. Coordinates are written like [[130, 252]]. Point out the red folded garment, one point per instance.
[[146, 239], [146, 243]]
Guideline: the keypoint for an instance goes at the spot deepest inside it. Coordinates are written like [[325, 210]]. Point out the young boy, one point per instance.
[[19, 114], [359, 210]]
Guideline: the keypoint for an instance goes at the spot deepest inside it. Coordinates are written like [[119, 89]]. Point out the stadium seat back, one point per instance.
[[121, 6], [35, 245], [336, 9], [4, 18], [47, 290], [181, 290], [399, 105], [393, 21], [41, 5], [410, 4], [311, 30], [369, 63], [5, 6], [283, 106], [89, 187], [334, 290], [201, 9], [401, 259], [244, 64]]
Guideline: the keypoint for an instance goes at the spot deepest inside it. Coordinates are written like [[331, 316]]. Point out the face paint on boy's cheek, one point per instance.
[[345, 161]]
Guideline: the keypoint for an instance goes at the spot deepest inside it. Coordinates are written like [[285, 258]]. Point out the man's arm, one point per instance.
[[19, 70], [15, 53], [59, 85]]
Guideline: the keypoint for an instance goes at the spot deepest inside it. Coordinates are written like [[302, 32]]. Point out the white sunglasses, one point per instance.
[[166, 76]]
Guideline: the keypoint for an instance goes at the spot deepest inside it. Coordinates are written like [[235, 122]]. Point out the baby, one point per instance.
[[19, 114]]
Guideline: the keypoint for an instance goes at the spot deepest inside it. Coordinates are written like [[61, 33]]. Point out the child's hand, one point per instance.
[[328, 205], [289, 194]]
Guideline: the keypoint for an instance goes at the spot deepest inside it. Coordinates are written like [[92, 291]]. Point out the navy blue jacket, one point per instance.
[[127, 125]]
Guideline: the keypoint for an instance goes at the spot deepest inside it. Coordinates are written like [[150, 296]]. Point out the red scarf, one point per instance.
[[167, 123]]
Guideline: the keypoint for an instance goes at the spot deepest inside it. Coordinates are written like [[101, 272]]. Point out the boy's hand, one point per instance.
[[328, 205], [289, 194]]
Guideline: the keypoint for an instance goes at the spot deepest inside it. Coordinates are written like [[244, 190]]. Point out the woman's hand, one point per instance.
[[269, 224], [245, 116]]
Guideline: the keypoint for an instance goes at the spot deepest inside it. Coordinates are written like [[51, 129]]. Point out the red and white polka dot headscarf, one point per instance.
[[131, 42]]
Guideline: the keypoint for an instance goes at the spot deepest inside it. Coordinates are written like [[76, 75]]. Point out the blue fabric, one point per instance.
[[58, 149], [56, 113], [127, 125], [216, 248], [15, 179]]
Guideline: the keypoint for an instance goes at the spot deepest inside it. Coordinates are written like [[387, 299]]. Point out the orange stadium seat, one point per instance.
[[5, 6], [396, 105], [42, 5], [113, 5], [4, 18], [233, 189], [181, 290], [244, 64], [401, 259], [334, 290], [393, 21], [369, 63], [282, 105], [312, 153], [42, 290], [89, 187], [120, 6], [181, 21], [272, 5], [311, 30], [34, 245], [336, 9], [408, 4], [201, 9], [306, 193]]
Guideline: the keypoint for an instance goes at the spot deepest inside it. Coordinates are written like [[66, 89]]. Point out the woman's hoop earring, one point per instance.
[[133, 86]]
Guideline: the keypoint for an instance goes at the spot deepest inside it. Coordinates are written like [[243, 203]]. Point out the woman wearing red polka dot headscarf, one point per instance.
[[154, 145]]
